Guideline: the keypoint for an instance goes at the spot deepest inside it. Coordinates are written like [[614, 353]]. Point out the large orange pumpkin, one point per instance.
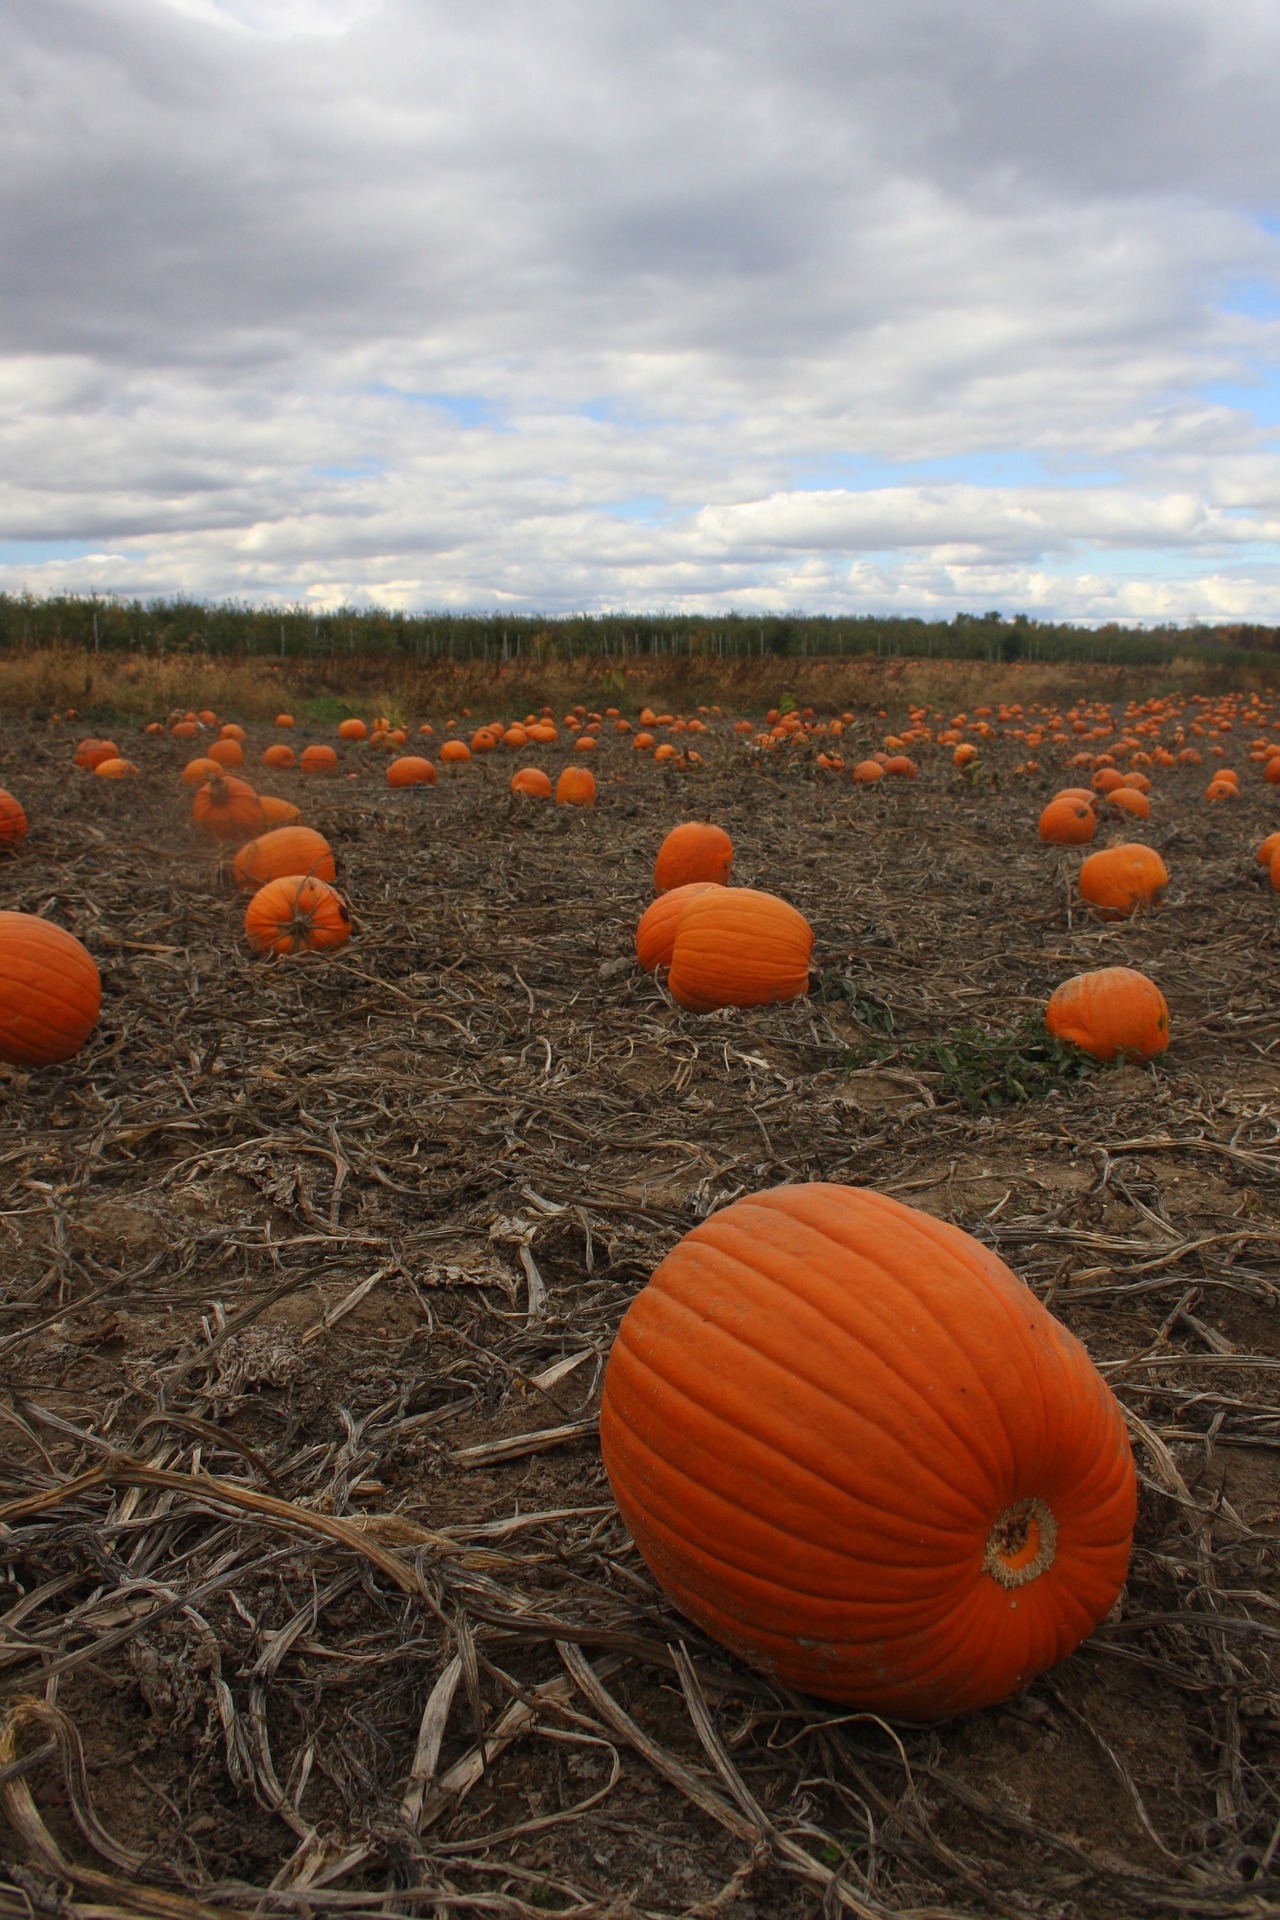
[[737, 947], [296, 914], [853, 1447], [282, 851], [13, 822], [656, 933], [532, 782], [1068, 823], [319, 758], [197, 771], [50, 992], [1112, 1011], [693, 851], [1119, 880], [227, 753], [411, 770], [352, 729]]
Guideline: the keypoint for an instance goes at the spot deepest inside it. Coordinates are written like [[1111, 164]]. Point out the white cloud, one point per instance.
[[900, 305]]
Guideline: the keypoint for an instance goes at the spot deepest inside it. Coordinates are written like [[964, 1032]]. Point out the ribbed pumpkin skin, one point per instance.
[[656, 932], [814, 1415], [737, 947], [295, 915], [693, 851], [282, 851], [1068, 823], [50, 992], [1111, 1011], [576, 787], [1119, 880]]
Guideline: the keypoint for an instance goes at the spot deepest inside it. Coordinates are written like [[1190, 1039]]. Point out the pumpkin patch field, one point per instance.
[[359, 1074]]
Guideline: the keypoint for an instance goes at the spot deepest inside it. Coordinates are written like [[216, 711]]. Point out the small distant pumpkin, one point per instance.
[[1119, 880], [115, 769], [532, 782], [1112, 1012], [866, 773], [278, 755], [284, 719], [296, 914], [90, 753], [576, 787], [13, 822], [411, 770], [455, 753], [197, 771], [656, 933], [739, 947], [352, 729], [319, 759], [229, 731], [283, 851], [277, 812], [1268, 850], [228, 752], [50, 992], [695, 850], [1130, 801]]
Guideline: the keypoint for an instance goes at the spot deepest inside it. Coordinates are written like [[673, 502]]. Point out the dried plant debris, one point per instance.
[[313, 1599]]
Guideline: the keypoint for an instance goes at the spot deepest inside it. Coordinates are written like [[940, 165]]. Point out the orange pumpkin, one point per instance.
[[318, 759], [1068, 823], [352, 730], [737, 947], [854, 1447], [283, 851], [90, 753], [901, 766], [228, 753], [13, 822], [411, 770], [114, 769], [284, 719], [656, 933], [532, 782], [576, 787], [197, 771], [693, 851], [1111, 1012], [228, 808], [296, 914], [455, 753], [278, 813], [229, 731], [50, 992], [1267, 851], [867, 772], [1119, 880], [277, 756], [1128, 800], [1106, 779]]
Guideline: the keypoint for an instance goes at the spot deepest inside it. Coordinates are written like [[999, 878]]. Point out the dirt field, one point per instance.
[[353, 1238]]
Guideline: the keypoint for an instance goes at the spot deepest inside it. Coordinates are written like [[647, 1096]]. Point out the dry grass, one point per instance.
[[137, 687], [315, 1599]]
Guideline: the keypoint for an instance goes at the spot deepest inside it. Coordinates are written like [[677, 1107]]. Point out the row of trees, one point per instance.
[[160, 627]]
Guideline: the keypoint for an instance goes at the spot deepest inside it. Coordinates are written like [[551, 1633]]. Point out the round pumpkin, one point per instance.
[[284, 719], [318, 759], [1111, 1012], [13, 822], [227, 752], [352, 729], [411, 770], [866, 773], [50, 992], [90, 753], [296, 914], [197, 771], [114, 769], [656, 933], [693, 851], [1130, 801], [283, 851], [532, 782], [278, 755], [1107, 779], [1119, 880], [738, 947], [455, 753], [576, 787], [854, 1447], [1068, 823], [228, 808], [228, 731], [1268, 850]]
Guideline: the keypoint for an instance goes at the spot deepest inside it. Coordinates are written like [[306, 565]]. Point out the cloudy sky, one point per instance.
[[851, 305]]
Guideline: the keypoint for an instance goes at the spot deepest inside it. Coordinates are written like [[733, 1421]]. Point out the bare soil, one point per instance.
[[313, 1599]]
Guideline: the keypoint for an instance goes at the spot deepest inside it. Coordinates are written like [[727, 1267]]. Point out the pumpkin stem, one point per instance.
[[1022, 1544]]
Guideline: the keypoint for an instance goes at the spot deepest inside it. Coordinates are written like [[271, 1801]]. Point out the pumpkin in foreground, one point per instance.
[[656, 931], [739, 947], [855, 1449], [296, 914], [13, 821], [50, 992], [1111, 1012]]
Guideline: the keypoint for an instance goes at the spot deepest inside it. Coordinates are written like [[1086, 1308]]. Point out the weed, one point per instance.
[[863, 1004], [986, 1069]]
